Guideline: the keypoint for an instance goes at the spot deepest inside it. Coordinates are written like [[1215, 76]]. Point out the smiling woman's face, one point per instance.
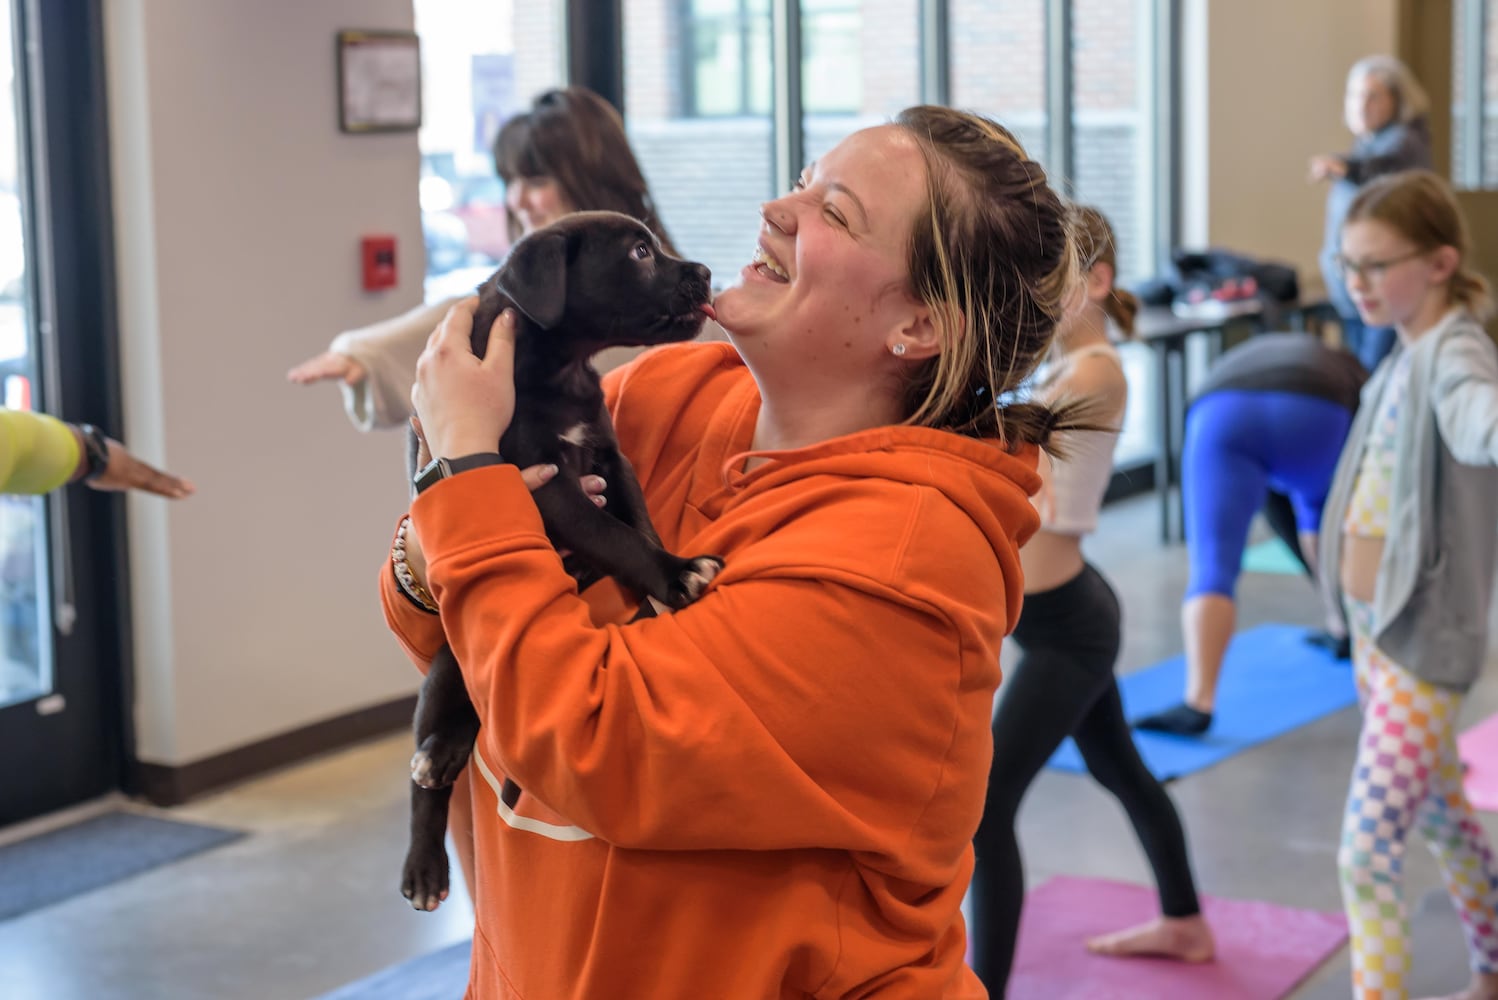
[[828, 280]]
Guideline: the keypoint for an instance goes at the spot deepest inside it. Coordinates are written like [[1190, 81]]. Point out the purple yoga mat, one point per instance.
[[1263, 950], [1478, 747]]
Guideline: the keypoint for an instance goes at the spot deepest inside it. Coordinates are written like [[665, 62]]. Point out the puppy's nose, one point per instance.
[[701, 273]]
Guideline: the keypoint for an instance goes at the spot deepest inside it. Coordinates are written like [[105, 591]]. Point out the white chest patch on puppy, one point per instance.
[[576, 435]]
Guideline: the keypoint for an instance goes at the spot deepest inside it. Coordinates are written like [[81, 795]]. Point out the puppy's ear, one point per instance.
[[535, 277]]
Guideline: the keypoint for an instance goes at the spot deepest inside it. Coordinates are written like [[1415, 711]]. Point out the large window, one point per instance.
[[1113, 123], [999, 61], [481, 62], [1113, 167], [729, 69], [698, 117], [860, 64], [1474, 94]]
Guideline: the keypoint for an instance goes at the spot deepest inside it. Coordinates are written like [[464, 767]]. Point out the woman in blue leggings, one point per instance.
[[1270, 421]]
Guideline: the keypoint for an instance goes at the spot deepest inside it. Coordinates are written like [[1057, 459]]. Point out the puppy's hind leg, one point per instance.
[[424, 876], [446, 724]]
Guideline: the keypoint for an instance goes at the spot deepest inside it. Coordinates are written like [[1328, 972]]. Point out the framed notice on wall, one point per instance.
[[379, 81]]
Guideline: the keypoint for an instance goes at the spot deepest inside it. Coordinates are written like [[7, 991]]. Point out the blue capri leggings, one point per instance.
[[1239, 444]]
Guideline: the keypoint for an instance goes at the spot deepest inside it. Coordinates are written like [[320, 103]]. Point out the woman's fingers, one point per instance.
[[594, 486], [126, 472], [537, 476], [326, 366]]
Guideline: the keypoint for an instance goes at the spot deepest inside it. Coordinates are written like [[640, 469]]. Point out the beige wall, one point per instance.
[[239, 206], [1263, 89]]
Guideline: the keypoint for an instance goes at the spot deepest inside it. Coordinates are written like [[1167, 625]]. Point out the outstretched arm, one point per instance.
[[1465, 395], [39, 453]]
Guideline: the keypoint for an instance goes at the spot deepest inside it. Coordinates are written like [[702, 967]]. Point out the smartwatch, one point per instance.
[[442, 468], [95, 450]]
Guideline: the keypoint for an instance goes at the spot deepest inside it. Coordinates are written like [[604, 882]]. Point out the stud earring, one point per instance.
[[898, 350]]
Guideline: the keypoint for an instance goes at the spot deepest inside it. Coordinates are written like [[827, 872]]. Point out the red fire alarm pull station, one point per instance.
[[379, 262]]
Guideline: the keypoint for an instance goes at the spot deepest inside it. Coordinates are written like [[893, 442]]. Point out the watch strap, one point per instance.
[[95, 450], [443, 468]]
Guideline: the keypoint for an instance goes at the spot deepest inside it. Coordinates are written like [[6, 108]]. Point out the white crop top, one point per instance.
[[1079, 482]]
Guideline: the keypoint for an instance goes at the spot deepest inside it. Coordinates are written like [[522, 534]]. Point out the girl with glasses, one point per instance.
[[1409, 553]]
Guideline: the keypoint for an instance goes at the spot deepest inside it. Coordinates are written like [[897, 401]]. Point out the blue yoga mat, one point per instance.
[[1273, 681], [437, 975], [1271, 556]]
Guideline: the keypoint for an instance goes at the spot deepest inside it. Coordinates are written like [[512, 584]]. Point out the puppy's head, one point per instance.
[[597, 279]]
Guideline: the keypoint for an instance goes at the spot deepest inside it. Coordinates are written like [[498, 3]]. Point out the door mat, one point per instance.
[[94, 853]]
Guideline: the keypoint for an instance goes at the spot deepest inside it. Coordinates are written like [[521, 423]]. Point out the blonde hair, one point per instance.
[[993, 257], [1096, 245], [1410, 101], [1422, 208]]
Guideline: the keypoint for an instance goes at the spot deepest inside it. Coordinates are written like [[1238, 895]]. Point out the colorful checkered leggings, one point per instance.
[[1407, 772]]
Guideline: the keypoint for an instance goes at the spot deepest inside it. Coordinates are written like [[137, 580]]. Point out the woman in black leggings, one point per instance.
[[1063, 684]]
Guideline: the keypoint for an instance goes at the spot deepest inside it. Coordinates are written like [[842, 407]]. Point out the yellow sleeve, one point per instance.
[[38, 453]]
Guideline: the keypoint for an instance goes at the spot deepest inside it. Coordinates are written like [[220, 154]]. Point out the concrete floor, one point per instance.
[[309, 901]]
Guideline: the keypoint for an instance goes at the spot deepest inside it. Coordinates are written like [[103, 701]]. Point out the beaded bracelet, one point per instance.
[[409, 585]]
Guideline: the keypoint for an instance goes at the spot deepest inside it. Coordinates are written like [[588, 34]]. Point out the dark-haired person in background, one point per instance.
[[567, 153]]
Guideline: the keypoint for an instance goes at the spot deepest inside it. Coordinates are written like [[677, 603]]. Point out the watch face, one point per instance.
[[432, 472]]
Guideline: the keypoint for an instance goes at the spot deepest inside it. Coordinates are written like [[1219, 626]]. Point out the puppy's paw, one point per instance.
[[424, 878], [693, 579], [437, 764]]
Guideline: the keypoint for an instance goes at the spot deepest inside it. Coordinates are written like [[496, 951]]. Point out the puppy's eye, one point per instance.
[[641, 251]]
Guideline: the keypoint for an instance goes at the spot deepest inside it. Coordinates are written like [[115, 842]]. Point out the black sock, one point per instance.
[[1340, 647], [1183, 720]]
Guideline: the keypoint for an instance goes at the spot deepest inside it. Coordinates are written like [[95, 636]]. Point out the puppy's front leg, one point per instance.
[[626, 500], [621, 550]]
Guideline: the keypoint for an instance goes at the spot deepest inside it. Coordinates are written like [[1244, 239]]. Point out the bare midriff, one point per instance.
[[1050, 559], [1361, 556]]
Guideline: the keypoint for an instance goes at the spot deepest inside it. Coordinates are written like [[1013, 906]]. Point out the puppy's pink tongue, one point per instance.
[[707, 310]]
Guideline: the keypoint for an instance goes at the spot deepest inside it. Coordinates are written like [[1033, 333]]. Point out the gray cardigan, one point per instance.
[[1435, 582]]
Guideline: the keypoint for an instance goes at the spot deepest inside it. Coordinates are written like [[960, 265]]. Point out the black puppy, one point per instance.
[[590, 281]]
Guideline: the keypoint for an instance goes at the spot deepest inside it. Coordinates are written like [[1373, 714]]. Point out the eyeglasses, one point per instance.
[[1371, 270]]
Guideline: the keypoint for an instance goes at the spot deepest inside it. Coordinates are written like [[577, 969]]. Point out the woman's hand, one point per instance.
[[126, 472], [534, 478], [328, 365], [1327, 168], [465, 403]]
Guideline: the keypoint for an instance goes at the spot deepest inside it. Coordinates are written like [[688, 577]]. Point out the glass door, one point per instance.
[[25, 618], [64, 668]]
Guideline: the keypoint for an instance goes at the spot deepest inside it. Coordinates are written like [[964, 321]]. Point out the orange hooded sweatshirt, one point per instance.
[[773, 792]]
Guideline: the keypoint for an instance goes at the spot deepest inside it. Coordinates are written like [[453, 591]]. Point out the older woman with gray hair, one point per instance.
[[1385, 109]]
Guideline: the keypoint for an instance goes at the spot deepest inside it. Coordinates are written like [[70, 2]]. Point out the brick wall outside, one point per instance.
[[709, 175]]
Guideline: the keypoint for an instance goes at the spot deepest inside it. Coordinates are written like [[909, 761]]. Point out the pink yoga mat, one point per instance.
[[1263, 950], [1478, 747]]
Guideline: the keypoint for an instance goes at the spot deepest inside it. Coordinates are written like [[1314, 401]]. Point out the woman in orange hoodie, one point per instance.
[[773, 792]]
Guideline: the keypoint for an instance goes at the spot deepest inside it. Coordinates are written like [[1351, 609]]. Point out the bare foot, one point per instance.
[[1187, 939], [1484, 987]]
